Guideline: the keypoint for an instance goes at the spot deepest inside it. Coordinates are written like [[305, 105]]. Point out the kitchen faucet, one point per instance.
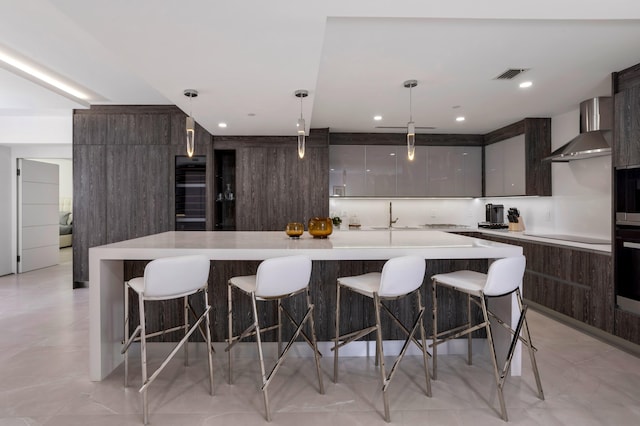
[[391, 221]]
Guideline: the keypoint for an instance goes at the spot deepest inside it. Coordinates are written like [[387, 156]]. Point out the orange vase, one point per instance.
[[320, 227]]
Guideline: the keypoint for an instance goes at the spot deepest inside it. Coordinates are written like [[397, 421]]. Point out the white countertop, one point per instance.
[[341, 245], [604, 248]]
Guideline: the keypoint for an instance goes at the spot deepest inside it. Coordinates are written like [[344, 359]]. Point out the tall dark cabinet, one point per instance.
[[191, 193], [224, 187], [626, 202], [124, 175]]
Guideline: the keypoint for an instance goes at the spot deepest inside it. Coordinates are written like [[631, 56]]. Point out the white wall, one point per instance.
[[5, 211], [56, 128]]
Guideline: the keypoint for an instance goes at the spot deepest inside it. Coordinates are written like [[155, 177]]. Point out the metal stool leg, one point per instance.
[[230, 326], [209, 348], [126, 334], [279, 327], [380, 353], [532, 354], [256, 324], [503, 407], [337, 342], [469, 342], [434, 297], [424, 343], [143, 358], [314, 340], [186, 330]]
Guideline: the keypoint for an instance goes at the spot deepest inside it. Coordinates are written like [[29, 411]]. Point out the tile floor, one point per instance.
[[44, 378]]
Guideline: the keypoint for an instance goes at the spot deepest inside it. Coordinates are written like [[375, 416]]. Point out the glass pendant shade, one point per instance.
[[190, 136], [411, 140], [301, 137]]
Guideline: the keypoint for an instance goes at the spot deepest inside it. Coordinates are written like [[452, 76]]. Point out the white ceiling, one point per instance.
[[248, 57]]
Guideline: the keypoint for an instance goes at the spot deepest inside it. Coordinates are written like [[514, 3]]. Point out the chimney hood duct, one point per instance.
[[594, 139]]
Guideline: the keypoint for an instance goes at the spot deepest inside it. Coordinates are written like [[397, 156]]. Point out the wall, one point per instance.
[[48, 128], [581, 189], [5, 212]]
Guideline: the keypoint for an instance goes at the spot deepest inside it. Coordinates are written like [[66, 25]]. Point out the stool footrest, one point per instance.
[[175, 350]]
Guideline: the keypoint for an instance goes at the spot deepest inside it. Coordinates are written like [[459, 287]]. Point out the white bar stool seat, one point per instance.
[[166, 279], [275, 279], [400, 277], [502, 279]]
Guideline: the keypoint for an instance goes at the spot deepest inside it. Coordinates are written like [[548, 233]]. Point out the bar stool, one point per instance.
[[503, 278], [400, 277], [166, 279], [275, 279]]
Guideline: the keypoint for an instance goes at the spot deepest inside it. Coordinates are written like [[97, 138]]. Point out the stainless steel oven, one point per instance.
[[628, 196], [627, 269]]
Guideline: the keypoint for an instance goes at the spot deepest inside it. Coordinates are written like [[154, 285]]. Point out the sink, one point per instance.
[[395, 228]]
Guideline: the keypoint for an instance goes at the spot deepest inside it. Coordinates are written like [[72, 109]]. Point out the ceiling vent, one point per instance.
[[511, 73]]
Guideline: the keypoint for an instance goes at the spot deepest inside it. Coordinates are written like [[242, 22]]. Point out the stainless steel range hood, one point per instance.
[[594, 139]]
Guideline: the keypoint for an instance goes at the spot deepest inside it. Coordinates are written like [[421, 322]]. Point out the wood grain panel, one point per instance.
[[627, 326], [137, 192], [627, 78], [401, 139], [537, 142], [275, 187], [627, 128], [89, 205], [127, 165], [577, 283], [505, 132]]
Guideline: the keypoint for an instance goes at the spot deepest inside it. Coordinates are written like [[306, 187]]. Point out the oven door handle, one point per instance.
[[627, 244]]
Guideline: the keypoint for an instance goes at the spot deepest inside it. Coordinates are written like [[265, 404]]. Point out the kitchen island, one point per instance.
[[107, 270]]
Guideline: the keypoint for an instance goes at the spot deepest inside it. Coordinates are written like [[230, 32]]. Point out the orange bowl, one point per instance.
[[294, 229], [320, 227]]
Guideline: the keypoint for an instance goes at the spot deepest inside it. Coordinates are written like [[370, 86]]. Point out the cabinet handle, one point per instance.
[[631, 245]]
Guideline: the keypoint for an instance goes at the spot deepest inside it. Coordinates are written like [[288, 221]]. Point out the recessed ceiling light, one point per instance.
[[461, 118], [392, 154], [525, 84], [377, 117], [222, 125]]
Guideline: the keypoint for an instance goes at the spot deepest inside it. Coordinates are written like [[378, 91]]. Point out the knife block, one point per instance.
[[517, 227]]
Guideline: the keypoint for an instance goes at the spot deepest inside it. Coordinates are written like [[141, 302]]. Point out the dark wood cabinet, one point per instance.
[[124, 174], [574, 282], [272, 185], [626, 141]]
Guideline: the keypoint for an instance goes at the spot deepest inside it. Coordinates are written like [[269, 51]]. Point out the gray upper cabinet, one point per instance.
[[385, 171], [346, 170], [454, 171], [505, 167]]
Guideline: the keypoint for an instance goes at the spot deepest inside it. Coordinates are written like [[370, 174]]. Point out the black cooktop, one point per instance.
[[489, 225]]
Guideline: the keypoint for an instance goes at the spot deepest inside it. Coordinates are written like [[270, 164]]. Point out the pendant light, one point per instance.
[[411, 126], [301, 126], [191, 124]]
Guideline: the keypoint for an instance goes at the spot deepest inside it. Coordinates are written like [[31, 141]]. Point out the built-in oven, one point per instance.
[[627, 268], [628, 196]]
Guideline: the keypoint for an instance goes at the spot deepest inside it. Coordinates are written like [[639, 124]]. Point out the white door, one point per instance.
[[38, 228]]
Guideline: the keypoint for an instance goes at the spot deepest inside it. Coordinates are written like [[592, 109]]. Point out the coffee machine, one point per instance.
[[494, 217]]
